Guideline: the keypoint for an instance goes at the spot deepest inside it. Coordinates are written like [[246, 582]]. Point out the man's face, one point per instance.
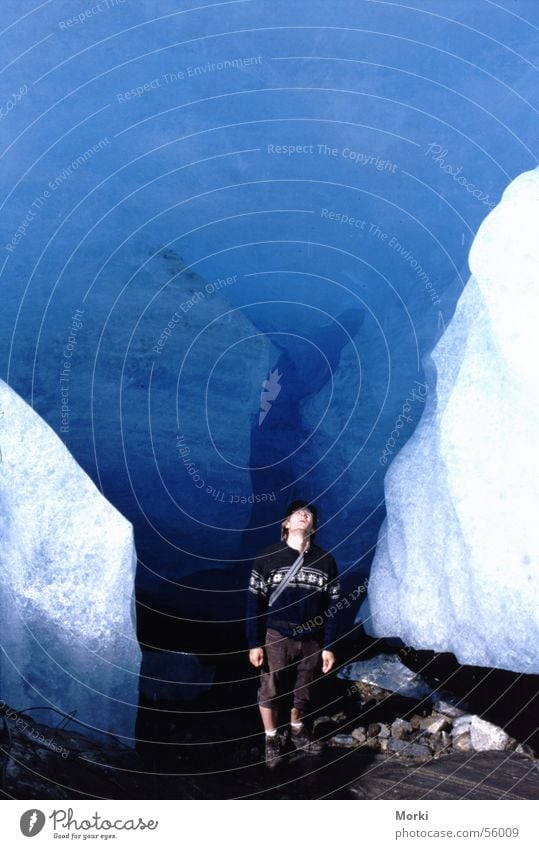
[[300, 520]]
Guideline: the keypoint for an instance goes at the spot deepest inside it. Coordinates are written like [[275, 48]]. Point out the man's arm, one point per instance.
[[328, 660], [257, 604], [256, 657]]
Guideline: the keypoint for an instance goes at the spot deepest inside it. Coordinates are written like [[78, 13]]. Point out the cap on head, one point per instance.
[[292, 507]]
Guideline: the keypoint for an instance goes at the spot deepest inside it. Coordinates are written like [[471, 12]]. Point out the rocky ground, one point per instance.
[[212, 747], [424, 736]]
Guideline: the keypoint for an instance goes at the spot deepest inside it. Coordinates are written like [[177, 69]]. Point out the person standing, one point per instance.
[[292, 587]]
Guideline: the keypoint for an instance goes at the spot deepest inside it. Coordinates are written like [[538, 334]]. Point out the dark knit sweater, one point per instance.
[[306, 609]]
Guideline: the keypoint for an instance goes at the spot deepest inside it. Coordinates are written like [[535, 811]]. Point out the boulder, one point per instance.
[[407, 749], [462, 742], [486, 736], [400, 728], [343, 740], [434, 724], [447, 709], [359, 734]]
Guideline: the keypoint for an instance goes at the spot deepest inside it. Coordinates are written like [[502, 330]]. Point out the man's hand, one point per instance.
[[256, 657], [328, 661]]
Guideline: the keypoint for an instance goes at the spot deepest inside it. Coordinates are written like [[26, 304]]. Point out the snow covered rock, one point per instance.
[[471, 732], [485, 736], [457, 558], [67, 569]]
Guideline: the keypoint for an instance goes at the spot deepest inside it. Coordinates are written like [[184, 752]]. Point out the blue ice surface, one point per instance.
[[332, 158]]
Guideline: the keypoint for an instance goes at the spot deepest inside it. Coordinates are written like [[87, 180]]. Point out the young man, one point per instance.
[[292, 587]]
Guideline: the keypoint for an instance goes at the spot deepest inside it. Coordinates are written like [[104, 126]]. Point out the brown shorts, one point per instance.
[[289, 667]]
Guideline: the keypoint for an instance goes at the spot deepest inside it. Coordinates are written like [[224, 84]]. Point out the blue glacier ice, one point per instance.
[[67, 570], [458, 556], [193, 196]]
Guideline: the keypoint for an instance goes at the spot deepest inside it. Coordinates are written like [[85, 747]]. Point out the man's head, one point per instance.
[[300, 516]]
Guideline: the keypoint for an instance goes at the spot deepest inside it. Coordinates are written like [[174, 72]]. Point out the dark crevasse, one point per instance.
[[305, 365]]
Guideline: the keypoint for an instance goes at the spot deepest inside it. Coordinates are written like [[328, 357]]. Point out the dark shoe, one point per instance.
[[302, 740], [274, 751]]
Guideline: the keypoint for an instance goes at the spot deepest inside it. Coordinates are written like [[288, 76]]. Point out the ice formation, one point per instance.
[[389, 673], [154, 400], [458, 556], [67, 568]]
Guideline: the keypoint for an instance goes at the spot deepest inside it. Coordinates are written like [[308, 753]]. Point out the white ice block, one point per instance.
[[457, 562], [67, 569]]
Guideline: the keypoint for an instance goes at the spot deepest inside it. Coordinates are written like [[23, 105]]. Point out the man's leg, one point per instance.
[[309, 664], [296, 720], [269, 719], [309, 654], [269, 692], [296, 716]]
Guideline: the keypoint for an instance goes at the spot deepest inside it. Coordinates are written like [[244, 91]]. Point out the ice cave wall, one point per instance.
[[67, 570], [458, 557], [99, 170], [153, 379]]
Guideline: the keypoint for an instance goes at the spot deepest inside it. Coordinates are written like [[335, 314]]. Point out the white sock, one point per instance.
[[296, 725], [271, 733]]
